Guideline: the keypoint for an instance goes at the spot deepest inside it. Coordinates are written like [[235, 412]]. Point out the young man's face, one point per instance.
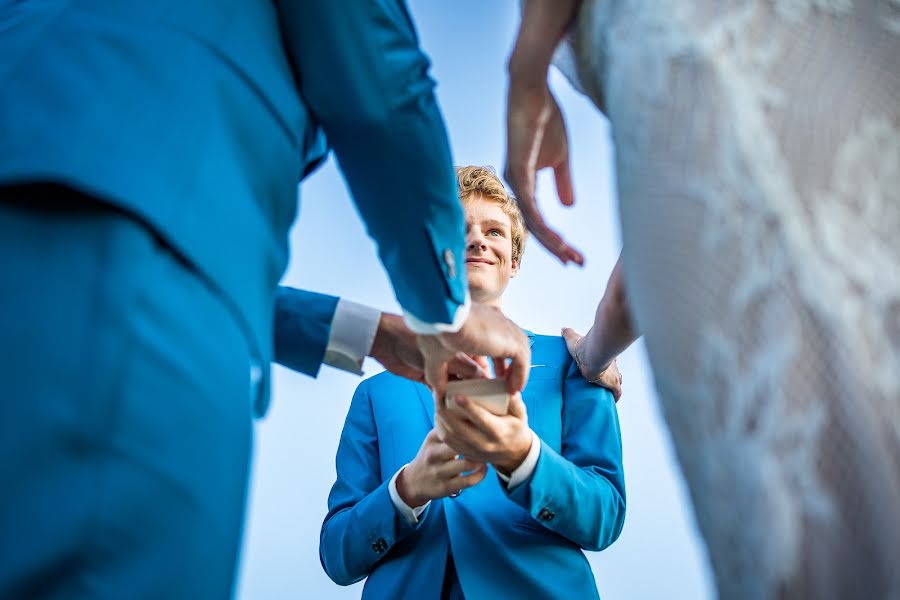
[[489, 263]]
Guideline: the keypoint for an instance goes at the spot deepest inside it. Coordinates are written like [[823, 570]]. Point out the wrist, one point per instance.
[[406, 490], [528, 68], [378, 341], [544, 24], [384, 334], [512, 460], [587, 355]]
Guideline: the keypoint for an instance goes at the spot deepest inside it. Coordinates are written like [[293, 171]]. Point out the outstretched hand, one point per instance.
[[397, 349], [486, 332], [536, 138]]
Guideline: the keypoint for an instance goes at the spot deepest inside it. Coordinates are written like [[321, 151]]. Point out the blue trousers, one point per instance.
[[125, 414]]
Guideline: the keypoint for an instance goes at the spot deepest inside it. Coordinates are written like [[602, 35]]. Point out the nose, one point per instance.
[[475, 240]]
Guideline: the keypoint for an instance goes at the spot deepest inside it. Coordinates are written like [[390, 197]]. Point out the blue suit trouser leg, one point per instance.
[[125, 413]]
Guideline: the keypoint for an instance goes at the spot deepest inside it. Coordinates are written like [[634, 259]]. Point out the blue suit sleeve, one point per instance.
[[302, 326], [362, 524], [365, 80], [580, 492]]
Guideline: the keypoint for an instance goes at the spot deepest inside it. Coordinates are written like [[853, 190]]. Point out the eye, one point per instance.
[[495, 232]]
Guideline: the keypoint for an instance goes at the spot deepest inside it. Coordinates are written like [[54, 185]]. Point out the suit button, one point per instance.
[[546, 515], [379, 546], [450, 261]]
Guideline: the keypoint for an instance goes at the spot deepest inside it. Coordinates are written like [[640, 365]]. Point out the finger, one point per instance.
[[563, 177], [483, 363], [440, 452], [433, 436], [520, 169], [449, 424], [517, 407], [611, 383], [452, 419], [616, 377], [462, 434], [440, 430], [517, 372], [477, 415], [461, 482], [453, 468], [463, 366], [571, 337], [499, 366], [554, 243], [435, 356], [548, 237], [522, 181], [436, 378]]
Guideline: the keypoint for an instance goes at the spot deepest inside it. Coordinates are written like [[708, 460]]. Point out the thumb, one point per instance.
[[517, 407], [483, 363], [436, 378]]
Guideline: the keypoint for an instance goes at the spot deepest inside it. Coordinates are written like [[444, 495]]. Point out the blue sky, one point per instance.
[[658, 551]]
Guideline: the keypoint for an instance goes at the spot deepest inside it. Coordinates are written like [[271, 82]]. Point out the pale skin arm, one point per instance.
[[536, 132], [612, 332], [537, 139]]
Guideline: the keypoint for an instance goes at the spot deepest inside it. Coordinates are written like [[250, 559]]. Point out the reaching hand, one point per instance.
[[486, 332], [396, 348], [536, 138], [605, 375], [436, 472], [478, 434]]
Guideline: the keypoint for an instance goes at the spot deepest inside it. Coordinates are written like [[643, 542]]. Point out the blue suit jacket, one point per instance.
[[199, 117], [523, 544]]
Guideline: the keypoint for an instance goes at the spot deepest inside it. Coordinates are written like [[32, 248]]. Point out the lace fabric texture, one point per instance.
[[758, 164]]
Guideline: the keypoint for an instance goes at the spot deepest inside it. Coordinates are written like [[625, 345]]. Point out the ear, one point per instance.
[[514, 268]]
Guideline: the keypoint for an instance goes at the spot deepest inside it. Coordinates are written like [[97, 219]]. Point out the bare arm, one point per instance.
[[544, 22], [535, 130], [612, 332]]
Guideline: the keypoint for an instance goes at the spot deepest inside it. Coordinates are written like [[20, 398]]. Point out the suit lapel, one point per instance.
[[526, 398]]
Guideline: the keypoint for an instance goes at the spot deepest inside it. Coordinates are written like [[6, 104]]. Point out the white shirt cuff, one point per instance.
[[424, 328], [410, 514], [526, 469], [352, 332]]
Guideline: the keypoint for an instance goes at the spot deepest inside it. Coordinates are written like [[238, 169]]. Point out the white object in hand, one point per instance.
[[489, 393]]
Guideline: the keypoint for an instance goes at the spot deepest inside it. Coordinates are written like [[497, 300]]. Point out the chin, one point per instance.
[[477, 289]]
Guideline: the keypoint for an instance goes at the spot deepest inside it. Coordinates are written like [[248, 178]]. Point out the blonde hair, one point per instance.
[[475, 181]]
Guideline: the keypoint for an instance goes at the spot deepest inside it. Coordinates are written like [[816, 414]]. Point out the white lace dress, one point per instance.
[[758, 164]]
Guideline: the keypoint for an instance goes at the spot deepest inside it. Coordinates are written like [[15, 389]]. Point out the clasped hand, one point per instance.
[[465, 437], [479, 435], [437, 471]]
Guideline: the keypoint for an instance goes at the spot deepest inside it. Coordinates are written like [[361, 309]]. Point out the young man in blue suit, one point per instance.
[[509, 518], [149, 160]]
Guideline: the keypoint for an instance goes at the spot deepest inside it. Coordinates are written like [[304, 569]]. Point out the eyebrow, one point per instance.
[[495, 223]]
